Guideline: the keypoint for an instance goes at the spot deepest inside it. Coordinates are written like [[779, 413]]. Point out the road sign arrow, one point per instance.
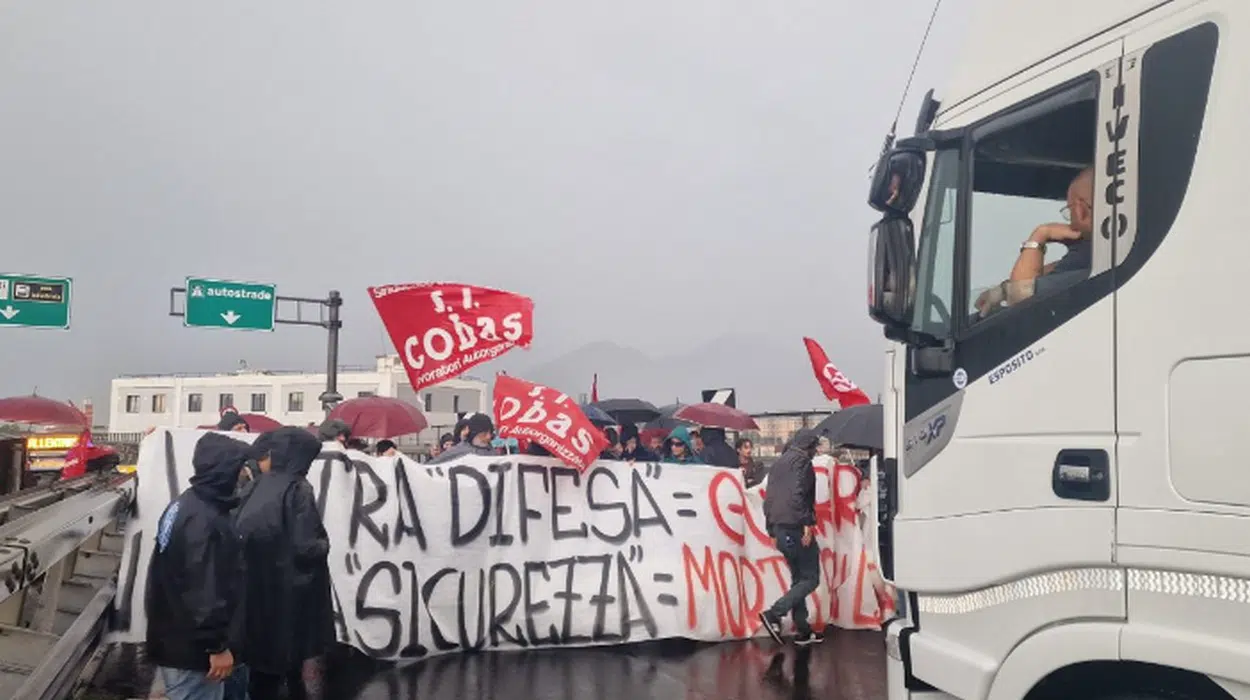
[[230, 317], [9, 312]]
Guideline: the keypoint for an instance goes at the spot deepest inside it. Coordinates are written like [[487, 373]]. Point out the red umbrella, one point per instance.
[[715, 415], [36, 410], [379, 417], [256, 423]]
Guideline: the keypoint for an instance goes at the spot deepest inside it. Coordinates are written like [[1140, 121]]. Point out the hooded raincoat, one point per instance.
[[193, 589], [289, 614], [683, 435], [716, 451]]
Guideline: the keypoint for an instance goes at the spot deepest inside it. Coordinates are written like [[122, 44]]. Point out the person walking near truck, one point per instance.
[[790, 518]]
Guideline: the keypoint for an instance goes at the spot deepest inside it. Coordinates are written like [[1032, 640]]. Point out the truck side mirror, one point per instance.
[[891, 287], [897, 180]]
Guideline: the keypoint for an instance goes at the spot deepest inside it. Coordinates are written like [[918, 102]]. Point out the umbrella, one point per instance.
[[597, 416], [36, 410], [256, 423], [716, 415], [629, 410], [666, 421], [379, 417], [858, 426]]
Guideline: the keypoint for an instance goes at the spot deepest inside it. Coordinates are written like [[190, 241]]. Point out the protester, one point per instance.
[[678, 448], [258, 463], [458, 433], [631, 446], [478, 430], [716, 451], [696, 441], [613, 449], [233, 422], [752, 470], [386, 448], [289, 617], [790, 519], [193, 588], [335, 430], [655, 442], [445, 442]]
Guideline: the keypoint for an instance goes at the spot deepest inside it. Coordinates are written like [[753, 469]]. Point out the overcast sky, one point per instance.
[[654, 173]]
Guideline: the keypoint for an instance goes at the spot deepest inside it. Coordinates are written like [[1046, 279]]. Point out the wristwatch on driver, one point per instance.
[[1033, 245]]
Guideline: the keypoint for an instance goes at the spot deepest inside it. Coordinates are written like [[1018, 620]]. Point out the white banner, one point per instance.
[[522, 552]]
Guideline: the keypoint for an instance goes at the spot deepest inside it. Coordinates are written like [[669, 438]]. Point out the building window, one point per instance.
[[225, 401], [132, 403], [455, 403], [195, 403], [158, 403], [363, 394], [295, 402], [429, 401], [258, 403]]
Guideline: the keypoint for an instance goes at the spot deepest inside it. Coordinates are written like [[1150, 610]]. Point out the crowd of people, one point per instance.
[[239, 593]]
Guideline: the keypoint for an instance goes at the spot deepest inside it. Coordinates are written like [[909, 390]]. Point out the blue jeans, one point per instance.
[[236, 684], [804, 563], [181, 684]]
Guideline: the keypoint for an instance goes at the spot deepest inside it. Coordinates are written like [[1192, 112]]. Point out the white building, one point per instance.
[[138, 402]]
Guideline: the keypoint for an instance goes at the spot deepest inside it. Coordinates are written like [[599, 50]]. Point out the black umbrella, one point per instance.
[[666, 421], [629, 410], [597, 416], [858, 426]]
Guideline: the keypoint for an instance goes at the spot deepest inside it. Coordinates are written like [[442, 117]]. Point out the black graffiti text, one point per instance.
[[542, 603]]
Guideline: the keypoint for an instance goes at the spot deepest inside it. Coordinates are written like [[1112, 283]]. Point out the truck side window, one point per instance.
[[1031, 220], [935, 284]]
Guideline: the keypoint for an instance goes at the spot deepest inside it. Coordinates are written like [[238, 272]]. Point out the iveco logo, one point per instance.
[[928, 434]]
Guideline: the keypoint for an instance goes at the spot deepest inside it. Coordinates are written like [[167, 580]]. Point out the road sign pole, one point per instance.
[[333, 324], [261, 312]]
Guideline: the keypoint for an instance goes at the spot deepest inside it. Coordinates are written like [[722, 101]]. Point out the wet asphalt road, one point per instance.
[[847, 666]]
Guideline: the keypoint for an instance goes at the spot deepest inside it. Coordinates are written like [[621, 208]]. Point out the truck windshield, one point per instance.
[[935, 282]]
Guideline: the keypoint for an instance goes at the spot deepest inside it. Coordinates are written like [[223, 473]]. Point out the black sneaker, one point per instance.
[[772, 626], [809, 638]]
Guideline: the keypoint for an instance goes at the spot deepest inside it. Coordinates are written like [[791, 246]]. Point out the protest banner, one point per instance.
[[442, 329], [517, 552]]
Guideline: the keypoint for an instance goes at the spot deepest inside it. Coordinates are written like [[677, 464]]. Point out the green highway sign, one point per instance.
[[34, 302], [221, 304]]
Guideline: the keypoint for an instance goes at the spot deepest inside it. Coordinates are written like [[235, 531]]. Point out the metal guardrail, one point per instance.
[[59, 555]]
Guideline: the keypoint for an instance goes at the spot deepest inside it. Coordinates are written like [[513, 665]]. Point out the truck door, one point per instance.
[[1182, 367], [1007, 464]]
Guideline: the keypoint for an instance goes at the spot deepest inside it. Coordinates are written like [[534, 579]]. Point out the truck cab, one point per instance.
[[1070, 509]]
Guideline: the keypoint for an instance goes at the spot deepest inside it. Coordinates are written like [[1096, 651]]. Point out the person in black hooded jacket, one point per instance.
[[289, 623], [193, 598], [716, 451], [790, 520]]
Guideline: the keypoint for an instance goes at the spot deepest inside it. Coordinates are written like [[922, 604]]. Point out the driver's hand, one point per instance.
[[989, 299], [1055, 233]]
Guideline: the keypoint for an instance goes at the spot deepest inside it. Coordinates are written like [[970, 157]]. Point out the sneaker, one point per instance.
[[772, 626], [809, 638]]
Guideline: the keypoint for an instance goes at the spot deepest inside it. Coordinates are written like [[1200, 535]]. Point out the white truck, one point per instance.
[[1070, 501]]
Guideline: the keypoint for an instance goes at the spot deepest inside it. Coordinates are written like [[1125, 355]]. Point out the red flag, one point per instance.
[[442, 329], [835, 384], [594, 390], [533, 412]]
